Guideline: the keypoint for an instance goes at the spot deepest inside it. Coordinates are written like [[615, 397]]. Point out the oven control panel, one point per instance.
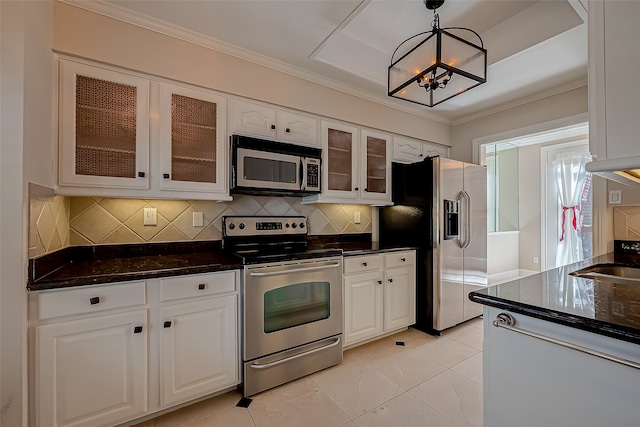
[[263, 225]]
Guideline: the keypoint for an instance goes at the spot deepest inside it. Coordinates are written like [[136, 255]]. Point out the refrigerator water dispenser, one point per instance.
[[451, 220]]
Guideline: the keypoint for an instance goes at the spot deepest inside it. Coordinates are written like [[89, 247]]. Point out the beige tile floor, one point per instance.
[[430, 381]]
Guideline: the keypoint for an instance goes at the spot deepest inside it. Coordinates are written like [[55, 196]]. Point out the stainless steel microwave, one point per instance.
[[263, 167]]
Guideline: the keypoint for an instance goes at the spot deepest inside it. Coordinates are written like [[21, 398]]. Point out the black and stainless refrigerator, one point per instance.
[[440, 207]]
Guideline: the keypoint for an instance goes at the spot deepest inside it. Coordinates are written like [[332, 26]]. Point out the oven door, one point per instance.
[[268, 170], [290, 304]]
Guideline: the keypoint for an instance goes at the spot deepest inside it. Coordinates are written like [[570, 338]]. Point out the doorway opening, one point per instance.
[[527, 213]]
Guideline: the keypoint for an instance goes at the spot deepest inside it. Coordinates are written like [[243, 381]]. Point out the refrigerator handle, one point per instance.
[[465, 200]]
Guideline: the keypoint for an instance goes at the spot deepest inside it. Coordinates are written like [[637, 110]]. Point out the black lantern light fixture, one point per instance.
[[439, 67]]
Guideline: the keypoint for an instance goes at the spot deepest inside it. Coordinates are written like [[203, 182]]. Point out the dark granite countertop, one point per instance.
[[88, 265], [605, 306]]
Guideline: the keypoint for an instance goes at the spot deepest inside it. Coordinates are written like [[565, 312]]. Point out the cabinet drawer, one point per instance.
[[90, 299], [179, 287], [399, 259], [362, 263]]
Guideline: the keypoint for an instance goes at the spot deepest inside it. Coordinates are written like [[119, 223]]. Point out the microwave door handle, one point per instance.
[[303, 172]]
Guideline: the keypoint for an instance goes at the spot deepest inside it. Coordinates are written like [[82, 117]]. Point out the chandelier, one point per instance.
[[439, 67]]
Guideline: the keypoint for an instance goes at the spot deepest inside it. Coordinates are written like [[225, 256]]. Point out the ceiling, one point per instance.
[[535, 47]]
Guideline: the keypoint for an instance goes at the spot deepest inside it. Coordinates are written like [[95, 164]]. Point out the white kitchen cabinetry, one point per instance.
[[614, 97], [199, 337], [379, 294], [91, 368], [356, 165], [530, 382], [107, 354], [125, 135], [191, 140], [103, 128], [281, 125], [411, 150]]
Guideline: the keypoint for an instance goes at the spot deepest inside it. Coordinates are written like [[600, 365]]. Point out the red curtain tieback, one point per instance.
[[575, 215]]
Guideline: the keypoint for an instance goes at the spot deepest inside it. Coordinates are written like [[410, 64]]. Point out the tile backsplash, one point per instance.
[[626, 222], [71, 221]]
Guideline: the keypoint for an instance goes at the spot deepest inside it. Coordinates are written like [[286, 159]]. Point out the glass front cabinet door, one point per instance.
[[191, 135], [340, 168], [104, 128], [376, 173]]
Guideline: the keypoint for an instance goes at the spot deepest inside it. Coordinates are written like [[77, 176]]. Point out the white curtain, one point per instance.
[[570, 177]]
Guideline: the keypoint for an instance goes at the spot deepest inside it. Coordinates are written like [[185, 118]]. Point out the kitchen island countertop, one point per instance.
[[605, 306]]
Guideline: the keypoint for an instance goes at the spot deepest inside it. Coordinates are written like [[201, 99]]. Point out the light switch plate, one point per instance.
[[150, 216], [198, 219], [615, 197], [356, 217]]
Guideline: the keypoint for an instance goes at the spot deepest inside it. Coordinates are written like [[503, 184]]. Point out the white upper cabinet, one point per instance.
[[355, 165], [375, 154], [192, 134], [411, 150], [103, 128], [123, 135], [263, 120], [614, 95]]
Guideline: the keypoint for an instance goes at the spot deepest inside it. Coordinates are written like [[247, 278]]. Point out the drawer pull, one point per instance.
[[379, 282], [137, 329], [202, 286], [166, 176], [167, 323], [364, 264], [390, 280], [94, 300], [141, 174], [403, 259]]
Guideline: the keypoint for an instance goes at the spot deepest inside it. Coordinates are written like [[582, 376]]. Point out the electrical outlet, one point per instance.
[[150, 216], [536, 260], [198, 219], [356, 217]]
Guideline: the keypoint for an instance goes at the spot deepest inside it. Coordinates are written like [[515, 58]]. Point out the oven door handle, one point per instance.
[[296, 270], [335, 342]]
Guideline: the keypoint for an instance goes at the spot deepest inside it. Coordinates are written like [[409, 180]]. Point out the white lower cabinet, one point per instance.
[[103, 355], [197, 348], [379, 294], [92, 372]]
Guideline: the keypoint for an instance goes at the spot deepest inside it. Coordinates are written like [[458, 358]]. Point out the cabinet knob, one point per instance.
[[166, 176], [141, 174], [202, 286], [379, 282], [403, 259], [167, 324], [94, 300], [420, 155], [390, 280], [287, 130], [364, 264], [356, 189], [137, 330], [273, 127], [366, 189]]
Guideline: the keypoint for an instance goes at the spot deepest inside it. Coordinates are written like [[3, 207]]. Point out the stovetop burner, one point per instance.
[[261, 239]]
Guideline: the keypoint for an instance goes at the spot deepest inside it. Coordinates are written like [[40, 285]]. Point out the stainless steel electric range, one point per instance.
[[292, 317]]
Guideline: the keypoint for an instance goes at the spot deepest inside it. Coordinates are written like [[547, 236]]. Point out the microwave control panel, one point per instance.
[[313, 174]]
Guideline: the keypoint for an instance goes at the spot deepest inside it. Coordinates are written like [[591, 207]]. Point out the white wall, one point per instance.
[[26, 88], [89, 35], [565, 104]]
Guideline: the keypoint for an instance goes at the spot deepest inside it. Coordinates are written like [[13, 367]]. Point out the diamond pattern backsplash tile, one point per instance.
[[64, 221]]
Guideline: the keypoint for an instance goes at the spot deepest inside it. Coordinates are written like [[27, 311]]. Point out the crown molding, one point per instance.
[[128, 16]]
